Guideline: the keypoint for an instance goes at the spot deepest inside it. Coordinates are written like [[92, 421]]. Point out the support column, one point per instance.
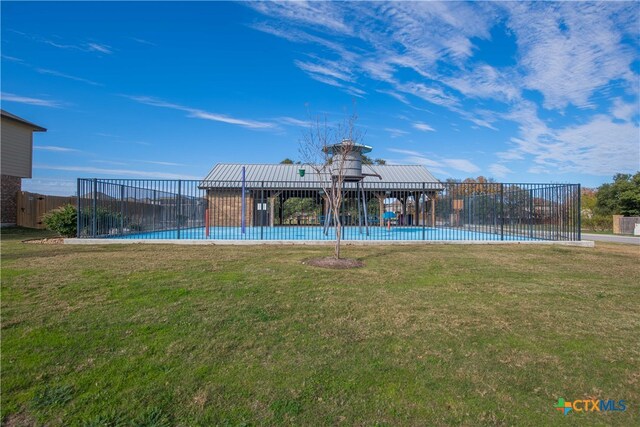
[[272, 210], [381, 206], [433, 210]]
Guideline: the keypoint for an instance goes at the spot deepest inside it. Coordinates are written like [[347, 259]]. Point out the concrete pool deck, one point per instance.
[[76, 241]]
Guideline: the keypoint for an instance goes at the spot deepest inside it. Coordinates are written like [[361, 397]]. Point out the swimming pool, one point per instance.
[[317, 233]]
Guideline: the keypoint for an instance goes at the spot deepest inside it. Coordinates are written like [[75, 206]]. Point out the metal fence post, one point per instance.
[[579, 213], [530, 214], [501, 211], [262, 204], [179, 208], [155, 207], [424, 210], [94, 207], [122, 209], [78, 211]]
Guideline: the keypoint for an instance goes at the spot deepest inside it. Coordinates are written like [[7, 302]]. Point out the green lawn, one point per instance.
[[422, 335]]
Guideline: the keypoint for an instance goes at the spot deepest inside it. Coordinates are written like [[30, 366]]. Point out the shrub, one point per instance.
[[106, 221], [62, 220], [598, 223]]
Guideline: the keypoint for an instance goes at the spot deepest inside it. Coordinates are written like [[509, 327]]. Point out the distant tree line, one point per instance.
[[620, 197]]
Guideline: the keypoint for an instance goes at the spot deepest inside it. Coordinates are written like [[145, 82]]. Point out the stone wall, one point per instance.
[[11, 185]]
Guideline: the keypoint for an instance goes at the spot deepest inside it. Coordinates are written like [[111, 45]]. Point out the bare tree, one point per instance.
[[324, 148]]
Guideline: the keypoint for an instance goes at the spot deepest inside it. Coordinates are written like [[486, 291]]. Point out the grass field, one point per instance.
[[422, 335]]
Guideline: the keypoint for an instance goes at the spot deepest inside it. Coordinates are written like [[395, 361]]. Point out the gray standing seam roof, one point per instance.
[[286, 175]]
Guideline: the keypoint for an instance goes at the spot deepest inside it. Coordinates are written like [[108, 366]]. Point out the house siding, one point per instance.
[[16, 149]]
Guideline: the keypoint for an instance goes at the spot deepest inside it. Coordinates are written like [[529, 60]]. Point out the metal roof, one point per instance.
[[349, 145], [35, 127], [287, 176]]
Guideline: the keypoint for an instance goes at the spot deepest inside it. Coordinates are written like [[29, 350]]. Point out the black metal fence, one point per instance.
[[182, 209]]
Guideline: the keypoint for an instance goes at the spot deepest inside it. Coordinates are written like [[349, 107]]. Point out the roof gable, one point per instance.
[[33, 126]]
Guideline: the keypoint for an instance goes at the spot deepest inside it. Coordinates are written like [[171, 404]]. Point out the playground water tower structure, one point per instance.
[[347, 156], [346, 161]]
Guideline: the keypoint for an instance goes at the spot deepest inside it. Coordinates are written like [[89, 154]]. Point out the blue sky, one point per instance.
[[521, 92]]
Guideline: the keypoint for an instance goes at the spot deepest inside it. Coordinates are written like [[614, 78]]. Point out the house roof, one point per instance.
[[287, 175], [35, 127]]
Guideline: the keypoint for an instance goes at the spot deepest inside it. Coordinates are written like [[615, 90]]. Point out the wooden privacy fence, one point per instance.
[[32, 207], [624, 224]]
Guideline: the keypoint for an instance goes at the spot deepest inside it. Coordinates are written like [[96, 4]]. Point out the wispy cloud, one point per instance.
[[50, 72], [328, 69], [200, 114], [407, 152], [102, 48], [57, 42], [84, 47], [55, 148], [143, 41], [153, 162], [396, 133], [603, 145], [423, 127], [437, 164], [570, 50], [67, 76], [11, 58], [120, 140], [117, 172], [307, 13], [395, 95], [572, 54], [40, 102], [292, 121], [499, 171], [463, 165], [109, 162]]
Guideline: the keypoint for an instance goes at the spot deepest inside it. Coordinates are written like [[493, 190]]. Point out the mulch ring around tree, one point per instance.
[[336, 264], [46, 241]]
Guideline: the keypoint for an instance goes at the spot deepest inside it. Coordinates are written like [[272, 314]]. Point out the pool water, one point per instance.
[[317, 233]]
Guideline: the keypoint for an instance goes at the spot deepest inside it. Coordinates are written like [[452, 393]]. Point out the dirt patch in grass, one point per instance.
[[18, 420], [337, 264], [46, 241]]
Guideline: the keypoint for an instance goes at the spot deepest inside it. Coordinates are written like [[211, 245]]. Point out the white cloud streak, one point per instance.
[[423, 127], [499, 170], [55, 148], [396, 133], [10, 97], [436, 163], [201, 114], [117, 172], [67, 76], [102, 48], [153, 162]]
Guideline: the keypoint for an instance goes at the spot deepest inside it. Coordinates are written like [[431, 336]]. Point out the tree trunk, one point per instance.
[[337, 191], [338, 222], [338, 236]]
